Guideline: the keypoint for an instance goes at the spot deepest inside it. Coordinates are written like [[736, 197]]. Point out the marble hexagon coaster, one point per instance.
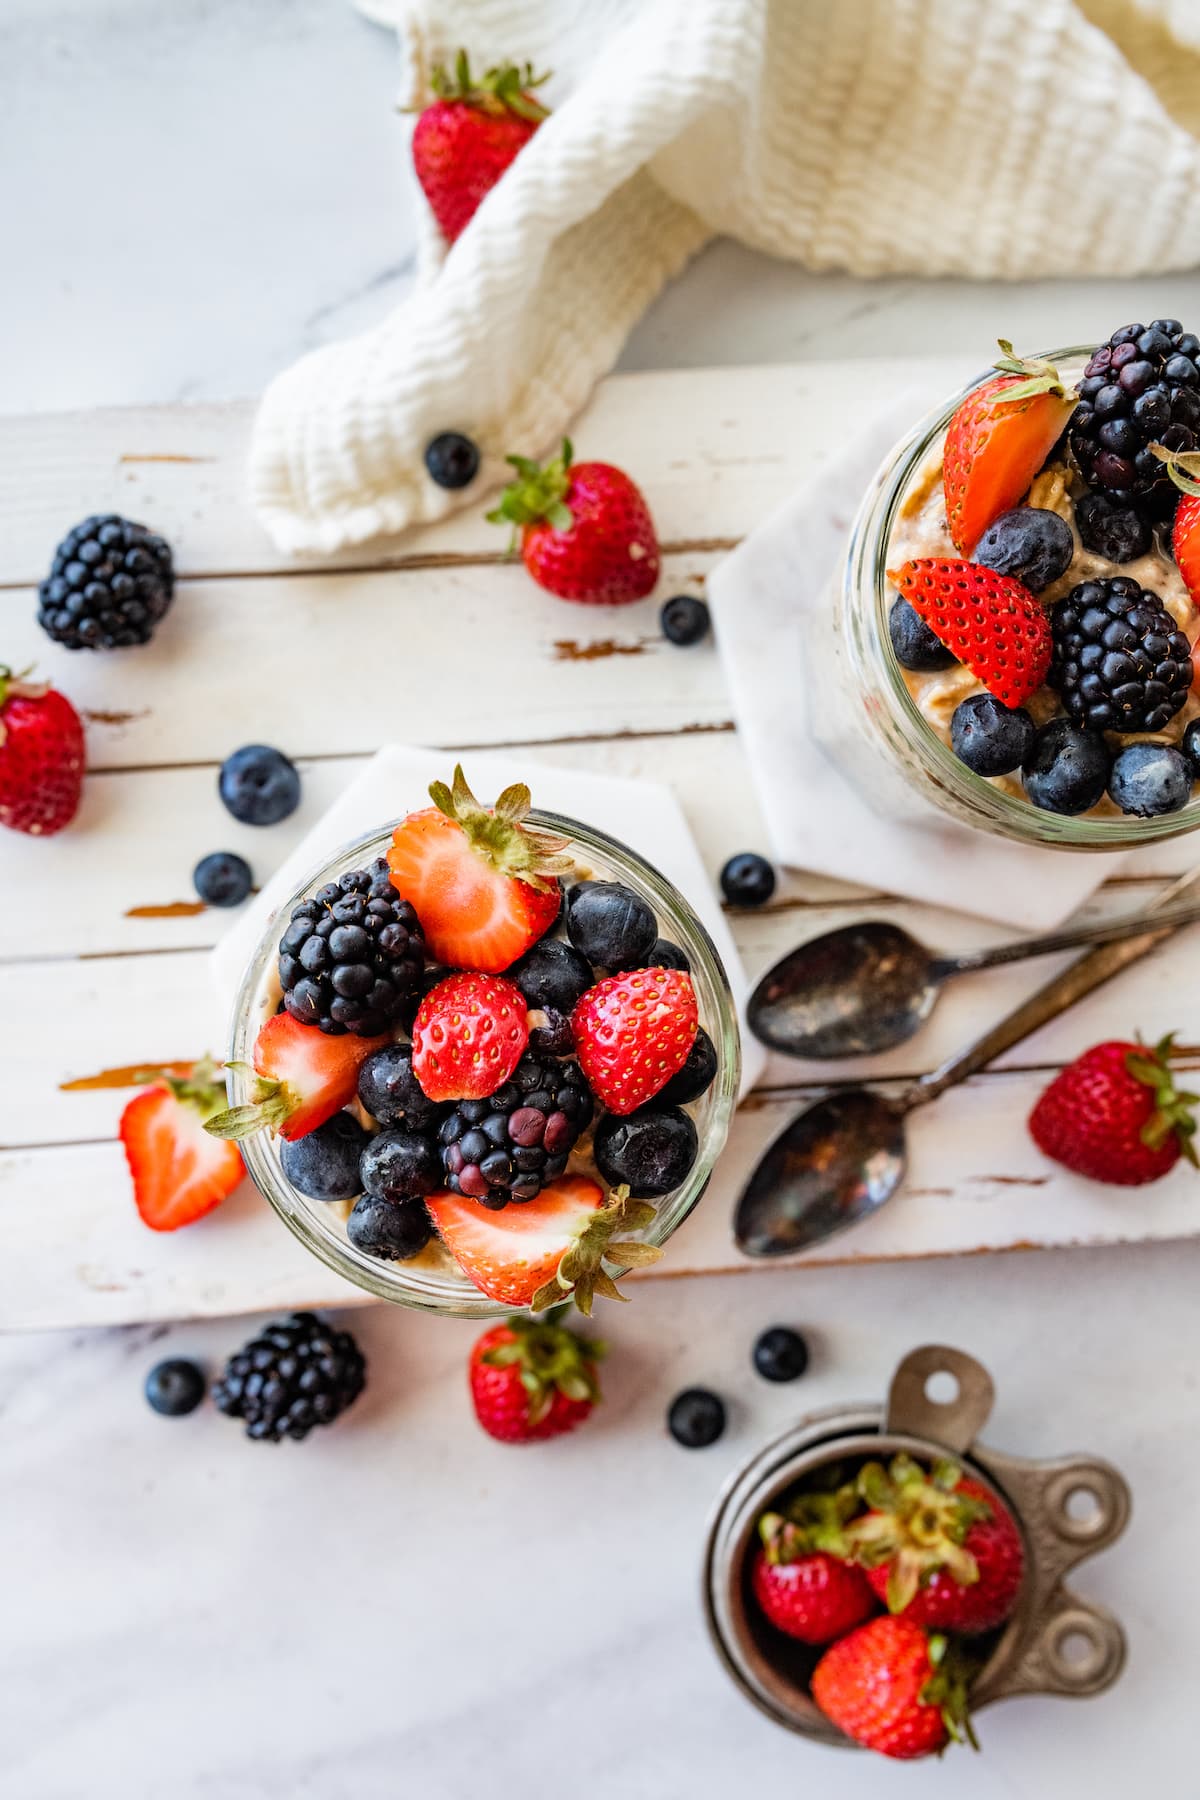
[[643, 814], [764, 597]]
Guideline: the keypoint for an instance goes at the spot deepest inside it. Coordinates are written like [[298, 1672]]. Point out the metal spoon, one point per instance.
[[845, 1156], [867, 987]]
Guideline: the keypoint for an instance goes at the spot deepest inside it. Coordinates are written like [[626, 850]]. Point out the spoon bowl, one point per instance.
[[837, 1163], [852, 992]]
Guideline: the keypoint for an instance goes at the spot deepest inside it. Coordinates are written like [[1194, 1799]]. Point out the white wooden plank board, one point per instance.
[[329, 664], [76, 1254]]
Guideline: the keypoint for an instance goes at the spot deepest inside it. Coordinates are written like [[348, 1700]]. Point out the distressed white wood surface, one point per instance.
[[329, 663]]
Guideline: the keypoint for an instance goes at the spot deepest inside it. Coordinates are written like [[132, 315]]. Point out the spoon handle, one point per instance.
[[1072, 984], [1103, 931]]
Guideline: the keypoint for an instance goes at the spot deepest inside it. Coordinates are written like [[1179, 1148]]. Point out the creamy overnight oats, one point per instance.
[[483, 1058], [1020, 606]]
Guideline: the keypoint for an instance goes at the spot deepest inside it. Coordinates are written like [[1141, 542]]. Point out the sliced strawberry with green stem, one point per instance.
[[484, 884], [998, 439], [303, 1076], [179, 1171], [548, 1249]]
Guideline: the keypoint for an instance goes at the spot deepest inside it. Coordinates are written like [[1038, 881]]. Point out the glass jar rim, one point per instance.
[[442, 1292], [865, 569]]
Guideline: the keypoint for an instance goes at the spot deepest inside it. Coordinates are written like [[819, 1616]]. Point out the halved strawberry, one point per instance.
[[304, 1077], [179, 1171], [633, 1032], [991, 622], [998, 440], [545, 1250], [1185, 543], [469, 1034], [484, 886]]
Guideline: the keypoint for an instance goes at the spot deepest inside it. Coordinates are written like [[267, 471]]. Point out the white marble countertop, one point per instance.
[[193, 195]]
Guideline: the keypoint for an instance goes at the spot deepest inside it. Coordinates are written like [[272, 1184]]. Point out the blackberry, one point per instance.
[[1120, 661], [298, 1373], [352, 955], [1141, 388], [1118, 533], [110, 583], [508, 1146]]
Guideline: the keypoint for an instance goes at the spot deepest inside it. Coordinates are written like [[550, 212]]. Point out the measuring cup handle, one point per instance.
[[955, 1422]]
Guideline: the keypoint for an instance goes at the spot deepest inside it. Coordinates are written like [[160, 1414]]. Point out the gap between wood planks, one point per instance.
[[420, 561]]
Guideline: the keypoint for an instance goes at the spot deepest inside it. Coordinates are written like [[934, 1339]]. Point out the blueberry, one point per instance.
[[916, 646], [696, 1418], [390, 1091], [747, 879], [259, 785], [651, 1149], [1030, 543], [555, 1037], [780, 1354], [553, 975], [695, 1077], [400, 1165], [1191, 746], [1150, 779], [324, 1163], [684, 619], [392, 1230], [1067, 769], [991, 738], [222, 879], [452, 459], [175, 1387], [666, 955], [609, 925]]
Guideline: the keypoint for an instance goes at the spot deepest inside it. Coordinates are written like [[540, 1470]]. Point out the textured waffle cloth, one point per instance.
[[1010, 138]]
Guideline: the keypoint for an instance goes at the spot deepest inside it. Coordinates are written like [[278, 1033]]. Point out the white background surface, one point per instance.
[[191, 195]]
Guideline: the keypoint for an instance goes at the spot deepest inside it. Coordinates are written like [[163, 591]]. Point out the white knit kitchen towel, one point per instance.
[[969, 137]]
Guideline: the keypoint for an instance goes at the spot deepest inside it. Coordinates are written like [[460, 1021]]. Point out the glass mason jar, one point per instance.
[[432, 1282], [867, 721]]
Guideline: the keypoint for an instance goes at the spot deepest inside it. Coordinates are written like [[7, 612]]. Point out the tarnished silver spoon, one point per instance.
[[845, 1156], [867, 987]]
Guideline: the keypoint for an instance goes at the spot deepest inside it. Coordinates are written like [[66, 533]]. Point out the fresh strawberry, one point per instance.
[[179, 1171], [483, 883], [586, 531], [466, 138], [548, 1249], [1185, 543], [633, 1032], [938, 1546], [998, 440], [801, 1576], [41, 756], [304, 1077], [894, 1690], [469, 1034], [532, 1380], [991, 622], [1115, 1115]]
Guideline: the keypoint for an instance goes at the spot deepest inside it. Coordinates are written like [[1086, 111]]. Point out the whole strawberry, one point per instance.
[[633, 1032], [533, 1379], [586, 531], [463, 142], [940, 1548], [41, 756], [998, 440], [801, 1578], [893, 1690], [1115, 1115], [469, 1034], [991, 622]]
